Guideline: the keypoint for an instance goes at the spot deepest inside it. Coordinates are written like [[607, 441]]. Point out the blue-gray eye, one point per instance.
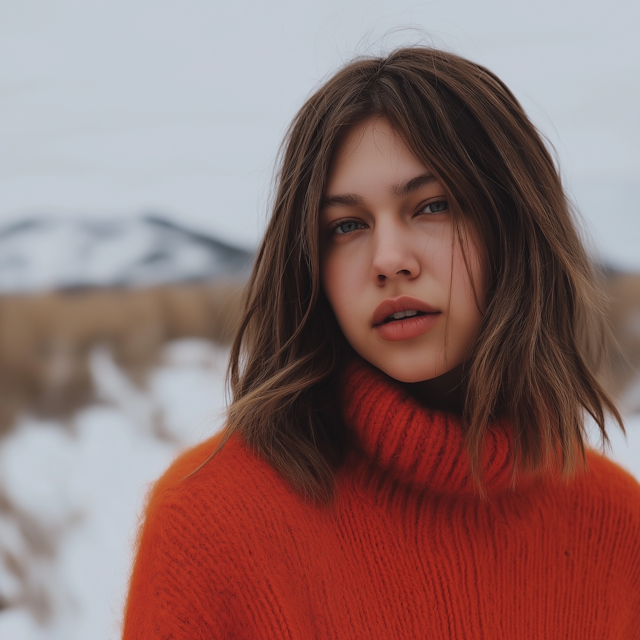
[[348, 226], [436, 207]]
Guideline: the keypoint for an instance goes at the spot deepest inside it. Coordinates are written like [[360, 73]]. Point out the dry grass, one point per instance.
[[45, 339]]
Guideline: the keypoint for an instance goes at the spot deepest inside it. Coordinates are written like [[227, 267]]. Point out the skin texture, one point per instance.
[[379, 243]]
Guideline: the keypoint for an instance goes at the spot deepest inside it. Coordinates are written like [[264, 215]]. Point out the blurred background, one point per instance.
[[137, 148]]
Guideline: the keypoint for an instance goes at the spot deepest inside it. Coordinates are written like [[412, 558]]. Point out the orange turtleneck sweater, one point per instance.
[[405, 550]]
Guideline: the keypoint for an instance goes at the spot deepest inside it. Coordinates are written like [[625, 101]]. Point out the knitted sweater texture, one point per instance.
[[405, 550]]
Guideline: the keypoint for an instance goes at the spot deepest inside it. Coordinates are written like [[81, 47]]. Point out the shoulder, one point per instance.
[[212, 527], [218, 496], [608, 500], [616, 485], [211, 466], [602, 501]]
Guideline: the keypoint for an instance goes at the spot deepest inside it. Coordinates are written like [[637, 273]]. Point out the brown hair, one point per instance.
[[542, 329]]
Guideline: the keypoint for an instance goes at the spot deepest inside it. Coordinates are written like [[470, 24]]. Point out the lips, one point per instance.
[[406, 328], [394, 305]]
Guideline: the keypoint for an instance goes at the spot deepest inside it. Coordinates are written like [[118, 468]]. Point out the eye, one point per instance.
[[348, 226], [437, 206]]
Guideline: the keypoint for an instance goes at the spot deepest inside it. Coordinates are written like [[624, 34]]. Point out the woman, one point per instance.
[[405, 451]]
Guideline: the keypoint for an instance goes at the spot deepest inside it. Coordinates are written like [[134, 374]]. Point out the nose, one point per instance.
[[394, 256]]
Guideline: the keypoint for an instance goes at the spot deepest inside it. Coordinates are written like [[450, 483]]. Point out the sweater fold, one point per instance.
[[417, 445]]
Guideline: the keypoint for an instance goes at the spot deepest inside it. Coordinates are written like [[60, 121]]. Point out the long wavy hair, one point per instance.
[[542, 332]]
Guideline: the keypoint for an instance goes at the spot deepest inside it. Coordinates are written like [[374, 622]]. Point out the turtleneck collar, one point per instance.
[[417, 445]]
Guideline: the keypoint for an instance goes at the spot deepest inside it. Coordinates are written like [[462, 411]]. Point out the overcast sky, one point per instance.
[[116, 107]]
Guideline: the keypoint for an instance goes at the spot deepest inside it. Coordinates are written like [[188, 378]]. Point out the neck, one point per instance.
[[444, 393]]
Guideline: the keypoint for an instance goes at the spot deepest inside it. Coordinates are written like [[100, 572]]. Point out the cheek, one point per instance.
[[467, 294], [342, 277], [334, 283]]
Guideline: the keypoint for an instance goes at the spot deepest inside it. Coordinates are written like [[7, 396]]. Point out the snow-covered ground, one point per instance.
[[85, 483], [82, 485], [625, 450]]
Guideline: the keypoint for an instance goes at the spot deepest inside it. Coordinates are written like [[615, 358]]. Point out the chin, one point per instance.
[[405, 370], [410, 374], [417, 377]]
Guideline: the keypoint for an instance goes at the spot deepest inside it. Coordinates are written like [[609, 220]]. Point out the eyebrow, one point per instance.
[[400, 190], [406, 189]]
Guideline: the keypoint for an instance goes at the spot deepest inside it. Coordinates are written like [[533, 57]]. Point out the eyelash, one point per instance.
[[360, 225], [340, 223], [442, 201]]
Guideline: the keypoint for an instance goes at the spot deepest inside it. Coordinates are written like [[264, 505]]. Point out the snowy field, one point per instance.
[[85, 481]]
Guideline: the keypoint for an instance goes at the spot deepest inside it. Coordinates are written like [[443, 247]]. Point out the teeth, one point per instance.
[[403, 314]]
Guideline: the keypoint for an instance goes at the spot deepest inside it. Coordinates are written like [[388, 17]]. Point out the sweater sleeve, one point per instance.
[[178, 588], [630, 540], [199, 571], [632, 630], [614, 502]]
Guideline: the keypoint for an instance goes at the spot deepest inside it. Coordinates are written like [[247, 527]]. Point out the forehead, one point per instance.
[[370, 153]]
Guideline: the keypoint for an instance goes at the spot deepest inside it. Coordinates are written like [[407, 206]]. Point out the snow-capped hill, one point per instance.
[[42, 254]]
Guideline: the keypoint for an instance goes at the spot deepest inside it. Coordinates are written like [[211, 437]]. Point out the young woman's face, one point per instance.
[[392, 266]]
